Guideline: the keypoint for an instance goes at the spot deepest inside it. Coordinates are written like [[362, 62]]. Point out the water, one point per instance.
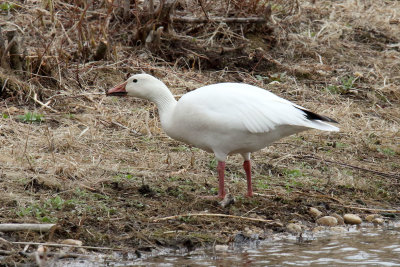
[[370, 247], [353, 247]]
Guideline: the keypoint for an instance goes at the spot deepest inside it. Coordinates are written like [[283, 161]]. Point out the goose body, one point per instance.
[[225, 118]]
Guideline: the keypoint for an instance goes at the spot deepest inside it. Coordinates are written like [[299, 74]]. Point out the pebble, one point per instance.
[[294, 228], [339, 218], [352, 219], [338, 229], [371, 217], [318, 229], [314, 212], [221, 247], [377, 221], [327, 221]]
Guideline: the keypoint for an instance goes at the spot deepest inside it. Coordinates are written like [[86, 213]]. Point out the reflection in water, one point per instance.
[[370, 247]]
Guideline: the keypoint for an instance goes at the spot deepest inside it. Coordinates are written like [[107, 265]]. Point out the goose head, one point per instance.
[[142, 86]]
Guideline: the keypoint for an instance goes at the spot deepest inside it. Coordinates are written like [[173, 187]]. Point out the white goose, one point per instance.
[[224, 118]]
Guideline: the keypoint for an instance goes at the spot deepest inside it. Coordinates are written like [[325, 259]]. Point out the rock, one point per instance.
[[318, 229], [327, 221], [338, 229], [294, 228], [378, 221], [352, 219], [371, 217], [339, 218], [314, 212], [221, 247]]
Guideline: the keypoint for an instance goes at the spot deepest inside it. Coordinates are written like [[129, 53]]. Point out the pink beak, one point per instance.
[[118, 90]]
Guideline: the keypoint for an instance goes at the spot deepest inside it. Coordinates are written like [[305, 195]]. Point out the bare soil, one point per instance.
[[102, 169]]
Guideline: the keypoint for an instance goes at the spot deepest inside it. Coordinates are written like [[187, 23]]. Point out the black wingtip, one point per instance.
[[314, 116]]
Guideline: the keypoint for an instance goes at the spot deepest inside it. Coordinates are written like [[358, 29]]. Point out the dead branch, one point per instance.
[[13, 227], [3, 63], [383, 174], [15, 55], [214, 215], [187, 19], [204, 10], [153, 40], [65, 245], [163, 13], [44, 105]]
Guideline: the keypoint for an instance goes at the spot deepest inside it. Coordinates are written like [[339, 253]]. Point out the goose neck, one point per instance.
[[165, 104]]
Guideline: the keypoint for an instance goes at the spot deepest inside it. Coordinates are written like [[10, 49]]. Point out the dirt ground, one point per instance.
[[102, 169]]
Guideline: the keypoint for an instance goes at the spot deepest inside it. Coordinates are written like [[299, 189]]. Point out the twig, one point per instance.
[[45, 105], [13, 46], [383, 174], [64, 245], [367, 209], [122, 126], [318, 195], [13, 227], [6, 252], [213, 215], [219, 19], [204, 10], [88, 188]]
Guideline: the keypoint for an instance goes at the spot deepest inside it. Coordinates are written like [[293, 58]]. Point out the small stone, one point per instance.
[[338, 229], [314, 212], [294, 228], [327, 221], [248, 231], [339, 218], [378, 221], [318, 229], [352, 219], [221, 247], [371, 217]]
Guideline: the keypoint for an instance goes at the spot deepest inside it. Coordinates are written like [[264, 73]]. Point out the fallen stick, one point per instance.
[[5, 252], [43, 104], [13, 227], [367, 209], [219, 19], [213, 215], [65, 245], [383, 174]]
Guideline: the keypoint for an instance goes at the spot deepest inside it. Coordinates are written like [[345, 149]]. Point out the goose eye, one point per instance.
[[134, 80]]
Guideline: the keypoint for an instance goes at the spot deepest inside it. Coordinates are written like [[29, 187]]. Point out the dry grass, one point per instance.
[[339, 58]]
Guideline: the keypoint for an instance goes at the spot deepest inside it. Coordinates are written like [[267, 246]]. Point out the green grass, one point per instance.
[[31, 117], [386, 151], [124, 176], [44, 211], [212, 164], [346, 84], [261, 184], [5, 6]]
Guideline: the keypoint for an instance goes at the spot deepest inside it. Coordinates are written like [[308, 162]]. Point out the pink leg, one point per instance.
[[221, 177], [247, 169]]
